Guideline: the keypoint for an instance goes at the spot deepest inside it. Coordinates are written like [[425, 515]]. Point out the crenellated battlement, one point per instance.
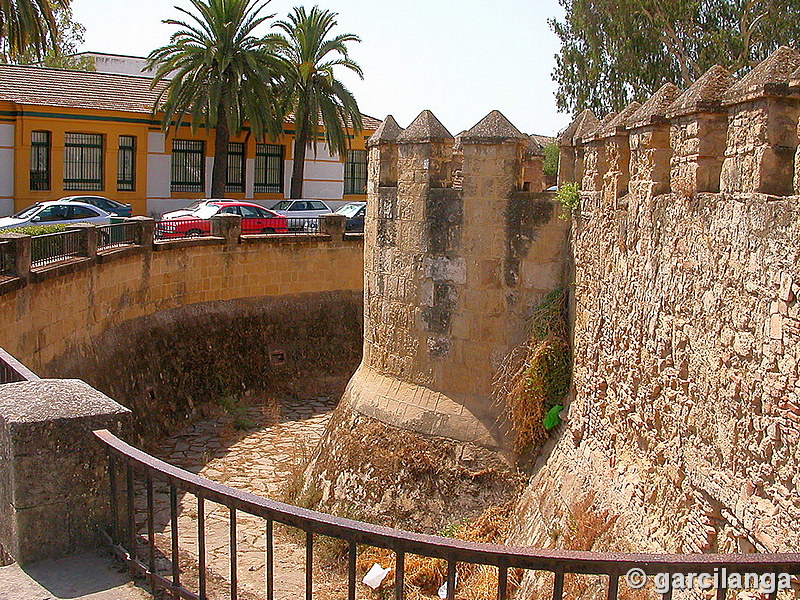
[[719, 135]]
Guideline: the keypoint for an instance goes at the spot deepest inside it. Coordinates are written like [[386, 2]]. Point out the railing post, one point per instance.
[[227, 226], [21, 246], [54, 472], [333, 225], [146, 234], [89, 238]]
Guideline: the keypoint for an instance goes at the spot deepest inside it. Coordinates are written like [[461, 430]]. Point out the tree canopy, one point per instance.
[[616, 51], [68, 38], [312, 92], [27, 26], [219, 73]]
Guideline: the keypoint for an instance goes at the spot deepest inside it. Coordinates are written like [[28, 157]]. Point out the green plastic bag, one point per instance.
[[552, 418]]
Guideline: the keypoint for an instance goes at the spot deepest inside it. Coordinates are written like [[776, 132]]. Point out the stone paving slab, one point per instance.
[[86, 576]]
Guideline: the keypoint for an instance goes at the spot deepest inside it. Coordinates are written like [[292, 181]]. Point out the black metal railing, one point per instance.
[[11, 370], [55, 247], [303, 224], [136, 463], [118, 235], [8, 260], [170, 229]]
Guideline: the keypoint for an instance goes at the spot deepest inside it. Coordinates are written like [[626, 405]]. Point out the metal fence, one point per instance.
[[170, 229], [117, 235], [137, 464], [55, 247], [303, 224], [11, 370], [7, 260]]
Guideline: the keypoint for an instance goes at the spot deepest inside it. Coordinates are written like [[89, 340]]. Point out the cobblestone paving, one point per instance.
[[257, 451]]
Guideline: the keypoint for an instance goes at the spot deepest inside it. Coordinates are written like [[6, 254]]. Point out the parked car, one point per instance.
[[182, 212], [303, 213], [255, 219], [56, 212], [355, 213], [112, 207]]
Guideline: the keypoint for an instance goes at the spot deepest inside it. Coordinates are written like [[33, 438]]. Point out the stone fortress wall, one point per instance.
[[684, 428]]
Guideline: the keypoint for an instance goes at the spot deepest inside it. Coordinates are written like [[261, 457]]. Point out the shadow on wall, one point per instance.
[[172, 367]]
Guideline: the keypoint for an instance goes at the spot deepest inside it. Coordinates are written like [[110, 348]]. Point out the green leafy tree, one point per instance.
[[27, 26], [68, 39], [550, 162], [219, 74], [615, 51], [312, 91]]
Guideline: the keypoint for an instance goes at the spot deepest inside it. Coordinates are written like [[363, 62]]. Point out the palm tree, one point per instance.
[[27, 25], [312, 92], [219, 75]]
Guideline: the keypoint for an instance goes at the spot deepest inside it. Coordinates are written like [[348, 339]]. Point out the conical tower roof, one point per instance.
[[388, 131], [655, 109], [494, 127], [425, 128], [768, 78], [617, 125], [704, 95], [580, 126]]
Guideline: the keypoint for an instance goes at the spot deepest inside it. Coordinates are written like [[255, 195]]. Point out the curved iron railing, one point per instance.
[[453, 551]]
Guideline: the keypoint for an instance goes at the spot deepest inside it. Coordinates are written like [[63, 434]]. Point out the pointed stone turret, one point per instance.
[[763, 112], [493, 128], [655, 109], [382, 148], [698, 132], [595, 164], [388, 131], [616, 126], [770, 77], [648, 130], [704, 95], [425, 128], [614, 137], [570, 148]]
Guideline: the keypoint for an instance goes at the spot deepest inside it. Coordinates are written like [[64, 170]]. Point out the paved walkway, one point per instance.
[[258, 450], [77, 577]]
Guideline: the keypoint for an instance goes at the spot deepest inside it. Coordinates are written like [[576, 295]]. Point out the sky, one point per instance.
[[460, 59]]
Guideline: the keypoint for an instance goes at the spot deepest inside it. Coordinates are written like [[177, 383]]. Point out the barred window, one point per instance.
[[83, 161], [126, 163], [188, 166], [269, 169], [355, 172], [235, 182], [40, 160]]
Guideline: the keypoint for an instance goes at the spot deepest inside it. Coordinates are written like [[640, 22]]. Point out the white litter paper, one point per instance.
[[375, 576], [443, 590]]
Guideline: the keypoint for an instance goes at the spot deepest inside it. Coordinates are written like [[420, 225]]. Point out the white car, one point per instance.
[[189, 210], [302, 214], [56, 212]]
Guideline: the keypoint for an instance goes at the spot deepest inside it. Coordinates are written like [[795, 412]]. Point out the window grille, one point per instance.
[[126, 163], [40, 160], [83, 161], [269, 169], [235, 181], [188, 166], [355, 172]]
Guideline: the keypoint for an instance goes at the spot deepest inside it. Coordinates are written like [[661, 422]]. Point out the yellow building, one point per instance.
[[68, 133]]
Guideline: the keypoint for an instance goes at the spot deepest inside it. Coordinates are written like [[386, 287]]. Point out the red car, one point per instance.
[[255, 219]]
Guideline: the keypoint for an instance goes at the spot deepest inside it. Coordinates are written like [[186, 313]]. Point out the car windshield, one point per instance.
[[206, 212], [28, 212], [282, 205], [349, 210]]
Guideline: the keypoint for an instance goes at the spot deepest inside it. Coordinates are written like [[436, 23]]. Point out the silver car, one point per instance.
[[56, 212], [302, 214]]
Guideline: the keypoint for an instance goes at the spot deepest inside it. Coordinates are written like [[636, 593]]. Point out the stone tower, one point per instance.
[[451, 275]]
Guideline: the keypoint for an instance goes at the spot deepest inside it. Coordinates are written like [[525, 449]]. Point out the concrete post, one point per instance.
[[147, 230], [332, 225], [54, 490], [21, 249], [90, 237], [227, 226]]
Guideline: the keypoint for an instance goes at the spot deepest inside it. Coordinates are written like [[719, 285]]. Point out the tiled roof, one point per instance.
[[580, 126], [28, 85]]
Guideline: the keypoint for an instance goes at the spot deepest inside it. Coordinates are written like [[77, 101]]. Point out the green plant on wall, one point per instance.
[[569, 196]]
